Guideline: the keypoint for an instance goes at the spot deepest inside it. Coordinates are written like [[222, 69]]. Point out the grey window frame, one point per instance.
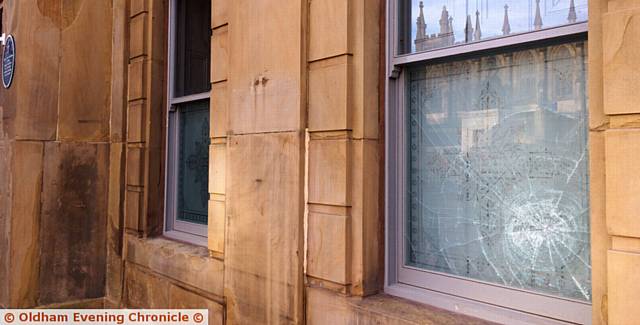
[[173, 228], [467, 296]]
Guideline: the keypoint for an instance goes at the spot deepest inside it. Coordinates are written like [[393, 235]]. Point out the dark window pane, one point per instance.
[[193, 173], [192, 47], [498, 170]]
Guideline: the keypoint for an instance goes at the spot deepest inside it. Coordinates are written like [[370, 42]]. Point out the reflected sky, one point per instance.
[[521, 15]]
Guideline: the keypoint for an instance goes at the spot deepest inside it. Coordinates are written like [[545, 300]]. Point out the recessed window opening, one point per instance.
[[488, 170], [188, 120]]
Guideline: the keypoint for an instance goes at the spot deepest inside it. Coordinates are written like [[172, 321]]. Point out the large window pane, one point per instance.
[[193, 173], [498, 170], [192, 47], [431, 24]]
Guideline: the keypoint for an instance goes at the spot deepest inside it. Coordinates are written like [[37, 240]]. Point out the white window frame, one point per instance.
[[173, 228], [462, 295]]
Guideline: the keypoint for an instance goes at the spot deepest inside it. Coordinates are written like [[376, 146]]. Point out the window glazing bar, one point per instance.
[[190, 98]]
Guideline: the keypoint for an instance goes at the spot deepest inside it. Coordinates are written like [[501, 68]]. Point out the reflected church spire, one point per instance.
[[421, 25], [468, 30], [537, 23], [444, 38], [572, 13], [506, 26], [478, 34]]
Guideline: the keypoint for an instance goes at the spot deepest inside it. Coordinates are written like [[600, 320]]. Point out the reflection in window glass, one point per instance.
[[192, 44], [497, 158], [441, 23], [193, 173]]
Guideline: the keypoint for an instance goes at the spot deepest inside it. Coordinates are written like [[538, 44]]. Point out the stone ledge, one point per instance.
[[182, 262], [326, 307], [93, 303]]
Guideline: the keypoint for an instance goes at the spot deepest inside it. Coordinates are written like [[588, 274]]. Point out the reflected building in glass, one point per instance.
[[497, 158], [444, 23], [444, 38]]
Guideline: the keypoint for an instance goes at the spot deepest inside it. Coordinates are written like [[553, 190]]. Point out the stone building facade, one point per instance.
[[297, 176]]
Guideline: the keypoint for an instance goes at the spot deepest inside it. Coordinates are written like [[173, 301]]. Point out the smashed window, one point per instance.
[[498, 170]]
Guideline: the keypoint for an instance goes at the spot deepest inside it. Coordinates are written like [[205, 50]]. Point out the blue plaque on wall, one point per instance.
[[8, 61]]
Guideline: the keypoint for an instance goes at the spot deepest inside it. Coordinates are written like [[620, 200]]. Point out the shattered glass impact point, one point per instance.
[[498, 170]]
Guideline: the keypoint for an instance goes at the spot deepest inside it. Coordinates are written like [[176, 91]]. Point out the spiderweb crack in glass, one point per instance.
[[498, 184]]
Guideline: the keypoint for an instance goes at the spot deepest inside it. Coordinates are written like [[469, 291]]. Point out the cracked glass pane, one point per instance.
[[497, 167], [432, 24]]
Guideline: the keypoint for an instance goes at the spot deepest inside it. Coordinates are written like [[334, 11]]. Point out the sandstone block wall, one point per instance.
[[54, 135], [613, 66], [296, 159]]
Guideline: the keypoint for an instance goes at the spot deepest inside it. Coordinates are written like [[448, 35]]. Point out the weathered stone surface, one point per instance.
[[329, 176], [328, 247], [623, 297], [138, 6], [599, 236], [325, 307], [621, 59], [138, 36], [31, 104], [219, 54], [264, 243], [622, 153], [145, 290], [182, 262], [73, 221], [26, 188], [616, 5], [366, 277], [365, 15], [219, 109], [597, 118], [625, 244], [136, 122], [215, 227], [219, 12], [330, 105], [137, 79], [266, 91], [85, 78], [180, 298], [597, 177], [624, 121], [115, 226], [329, 28], [132, 210], [217, 168], [119, 63], [3, 135], [5, 213], [135, 166], [93, 303], [114, 276], [149, 83]]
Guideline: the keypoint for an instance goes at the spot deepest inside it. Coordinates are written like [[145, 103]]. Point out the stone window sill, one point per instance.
[[328, 307], [183, 262]]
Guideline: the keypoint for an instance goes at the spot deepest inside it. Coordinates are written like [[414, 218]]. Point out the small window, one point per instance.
[[188, 120], [488, 182]]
